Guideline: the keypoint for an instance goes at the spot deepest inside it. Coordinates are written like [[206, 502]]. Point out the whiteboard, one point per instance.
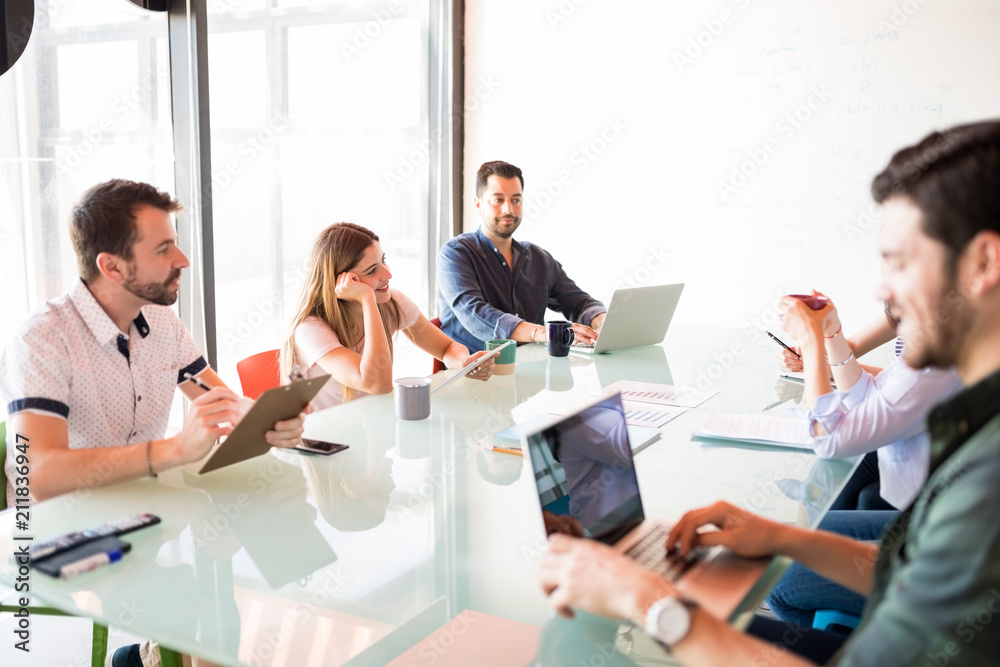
[[728, 145]]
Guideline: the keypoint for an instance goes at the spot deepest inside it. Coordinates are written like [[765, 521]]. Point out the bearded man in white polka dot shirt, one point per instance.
[[90, 376]]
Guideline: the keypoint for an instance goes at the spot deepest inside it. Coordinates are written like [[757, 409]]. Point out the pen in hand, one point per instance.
[[197, 381], [778, 341]]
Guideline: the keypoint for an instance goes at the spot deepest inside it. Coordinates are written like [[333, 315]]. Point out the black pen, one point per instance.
[[207, 388], [778, 341]]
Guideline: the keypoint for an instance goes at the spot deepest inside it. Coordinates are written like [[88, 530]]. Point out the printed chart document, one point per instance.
[[645, 414], [758, 429], [660, 394], [639, 437]]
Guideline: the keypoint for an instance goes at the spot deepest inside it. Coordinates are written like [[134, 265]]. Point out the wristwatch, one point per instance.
[[668, 620]]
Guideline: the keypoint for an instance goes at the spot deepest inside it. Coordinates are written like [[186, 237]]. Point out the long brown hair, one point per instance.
[[337, 249]]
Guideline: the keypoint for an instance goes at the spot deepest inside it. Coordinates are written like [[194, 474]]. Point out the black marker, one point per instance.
[[778, 341]]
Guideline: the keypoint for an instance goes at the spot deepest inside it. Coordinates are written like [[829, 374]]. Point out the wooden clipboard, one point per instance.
[[247, 440]]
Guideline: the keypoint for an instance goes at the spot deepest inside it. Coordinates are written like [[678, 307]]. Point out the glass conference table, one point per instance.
[[416, 546]]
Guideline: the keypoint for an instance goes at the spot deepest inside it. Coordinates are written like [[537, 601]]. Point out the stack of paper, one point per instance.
[[758, 429]]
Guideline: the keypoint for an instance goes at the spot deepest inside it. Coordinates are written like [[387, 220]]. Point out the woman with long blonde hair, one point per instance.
[[346, 318]]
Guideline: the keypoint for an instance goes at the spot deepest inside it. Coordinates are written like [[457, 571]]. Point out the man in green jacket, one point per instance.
[[933, 584]]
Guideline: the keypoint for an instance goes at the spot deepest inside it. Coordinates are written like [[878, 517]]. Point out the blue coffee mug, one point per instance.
[[560, 338]]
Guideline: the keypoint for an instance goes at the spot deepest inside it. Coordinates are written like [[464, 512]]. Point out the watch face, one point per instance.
[[668, 620]]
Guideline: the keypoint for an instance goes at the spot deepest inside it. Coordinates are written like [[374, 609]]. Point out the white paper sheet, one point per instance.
[[763, 429], [660, 394]]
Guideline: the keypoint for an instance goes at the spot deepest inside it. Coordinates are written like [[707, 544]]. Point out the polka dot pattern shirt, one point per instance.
[[71, 361]]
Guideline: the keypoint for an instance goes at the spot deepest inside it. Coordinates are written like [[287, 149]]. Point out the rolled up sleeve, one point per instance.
[[830, 412], [459, 288]]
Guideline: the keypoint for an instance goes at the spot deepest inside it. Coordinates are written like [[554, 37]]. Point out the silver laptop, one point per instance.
[[637, 316], [587, 486]]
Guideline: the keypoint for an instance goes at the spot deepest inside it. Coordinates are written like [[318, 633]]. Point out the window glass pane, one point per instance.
[[239, 93], [314, 121], [100, 14], [81, 106], [332, 83]]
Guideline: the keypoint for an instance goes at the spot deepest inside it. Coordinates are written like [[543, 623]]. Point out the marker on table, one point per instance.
[[778, 341], [197, 382], [502, 450], [70, 570]]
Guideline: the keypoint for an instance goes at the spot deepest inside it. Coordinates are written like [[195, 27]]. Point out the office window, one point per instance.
[[320, 113], [89, 100]]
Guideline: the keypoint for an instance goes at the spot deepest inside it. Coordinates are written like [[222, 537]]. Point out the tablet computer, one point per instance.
[[469, 367]]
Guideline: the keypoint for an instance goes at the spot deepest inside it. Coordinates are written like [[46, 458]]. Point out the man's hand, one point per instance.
[[742, 532], [211, 416], [592, 577], [287, 433], [584, 334], [561, 523], [597, 322], [482, 372]]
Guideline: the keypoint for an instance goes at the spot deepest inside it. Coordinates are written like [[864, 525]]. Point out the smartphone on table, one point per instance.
[[320, 447]]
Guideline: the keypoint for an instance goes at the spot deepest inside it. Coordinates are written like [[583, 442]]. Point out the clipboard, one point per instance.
[[247, 440]]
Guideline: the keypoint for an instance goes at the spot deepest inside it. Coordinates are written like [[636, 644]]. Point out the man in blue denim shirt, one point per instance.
[[491, 286]]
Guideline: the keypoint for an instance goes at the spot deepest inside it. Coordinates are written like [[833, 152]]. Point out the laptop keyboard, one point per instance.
[[650, 552]]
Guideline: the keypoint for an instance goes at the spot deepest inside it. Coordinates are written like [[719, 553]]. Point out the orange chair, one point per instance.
[[258, 373], [438, 364]]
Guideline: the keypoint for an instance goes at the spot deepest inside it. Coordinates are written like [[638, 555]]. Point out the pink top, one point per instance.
[[314, 339]]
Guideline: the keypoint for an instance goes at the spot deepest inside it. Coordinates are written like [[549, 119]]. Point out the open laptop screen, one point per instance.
[[585, 474]]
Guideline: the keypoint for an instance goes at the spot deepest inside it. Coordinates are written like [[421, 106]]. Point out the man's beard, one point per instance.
[[497, 229], [159, 293], [939, 339]]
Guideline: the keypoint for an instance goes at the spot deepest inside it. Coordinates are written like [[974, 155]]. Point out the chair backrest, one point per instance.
[[258, 373], [438, 364]]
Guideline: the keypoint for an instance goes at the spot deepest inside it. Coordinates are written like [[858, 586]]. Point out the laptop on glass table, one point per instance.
[[637, 316], [585, 477]]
